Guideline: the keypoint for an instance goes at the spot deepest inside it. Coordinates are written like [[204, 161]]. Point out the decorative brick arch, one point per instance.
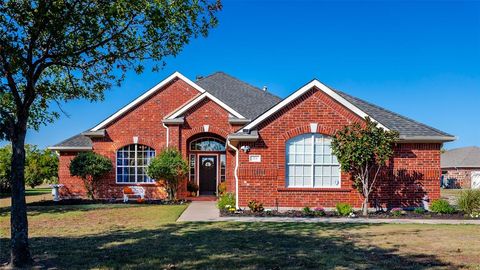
[[197, 130], [321, 129]]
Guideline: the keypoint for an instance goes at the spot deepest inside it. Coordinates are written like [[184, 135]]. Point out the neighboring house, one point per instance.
[[461, 167], [276, 151]]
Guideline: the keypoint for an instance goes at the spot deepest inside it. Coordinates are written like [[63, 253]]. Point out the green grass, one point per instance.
[[146, 237], [30, 192]]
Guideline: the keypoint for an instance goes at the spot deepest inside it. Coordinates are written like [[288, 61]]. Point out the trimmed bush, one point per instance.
[[255, 206], [419, 210], [396, 212], [469, 201], [344, 209], [90, 167], [226, 200], [442, 207], [170, 167]]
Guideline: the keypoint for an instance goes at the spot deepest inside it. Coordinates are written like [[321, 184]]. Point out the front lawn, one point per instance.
[[147, 237]]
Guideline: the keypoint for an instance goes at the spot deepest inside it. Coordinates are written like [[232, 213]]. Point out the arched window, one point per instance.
[[310, 162], [132, 162], [207, 144]]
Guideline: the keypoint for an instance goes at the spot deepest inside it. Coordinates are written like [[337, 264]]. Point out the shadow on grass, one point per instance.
[[34, 209], [224, 246]]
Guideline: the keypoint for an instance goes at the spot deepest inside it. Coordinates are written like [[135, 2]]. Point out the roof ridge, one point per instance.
[[248, 84], [392, 112]]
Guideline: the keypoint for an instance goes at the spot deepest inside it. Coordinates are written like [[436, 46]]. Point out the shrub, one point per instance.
[[255, 206], [90, 167], [319, 212], [419, 210], [192, 187], [344, 209], [170, 167], [307, 211], [226, 200], [396, 212], [222, 188], [442, 207], [469, 201]]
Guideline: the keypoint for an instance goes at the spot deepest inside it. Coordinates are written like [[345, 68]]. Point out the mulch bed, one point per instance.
[[100, 201], [332, 214]]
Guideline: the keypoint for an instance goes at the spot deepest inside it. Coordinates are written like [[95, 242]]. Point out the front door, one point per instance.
[[208, 175]]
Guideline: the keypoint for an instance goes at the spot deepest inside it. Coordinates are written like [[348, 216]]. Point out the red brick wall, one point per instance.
[[413, 172], [460, 177], [145, 122]]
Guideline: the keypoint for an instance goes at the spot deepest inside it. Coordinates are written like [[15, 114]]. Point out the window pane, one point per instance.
[[131, 170], [299, 153], [207, 144]]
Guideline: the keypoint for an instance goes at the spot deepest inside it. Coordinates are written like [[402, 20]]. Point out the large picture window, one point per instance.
[[310, 162], [132, 162]]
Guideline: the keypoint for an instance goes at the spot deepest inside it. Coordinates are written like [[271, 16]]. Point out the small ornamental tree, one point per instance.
[[169, 166], [362, 151], [90, 167]]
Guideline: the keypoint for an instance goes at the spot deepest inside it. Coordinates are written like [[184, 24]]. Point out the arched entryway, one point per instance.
[[207, 162]]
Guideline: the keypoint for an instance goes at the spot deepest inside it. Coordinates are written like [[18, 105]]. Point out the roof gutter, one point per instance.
[[238, 121], [252, 137], [94, 133], [70, 148], [426, 139], [174, 121]]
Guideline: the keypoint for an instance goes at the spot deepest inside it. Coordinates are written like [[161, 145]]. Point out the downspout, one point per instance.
[[166, 127], [235, 172]]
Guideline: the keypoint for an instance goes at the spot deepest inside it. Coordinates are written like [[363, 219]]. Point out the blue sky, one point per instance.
[[420, 59]]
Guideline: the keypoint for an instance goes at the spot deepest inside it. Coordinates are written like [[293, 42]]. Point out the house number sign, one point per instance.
[[254, 158]]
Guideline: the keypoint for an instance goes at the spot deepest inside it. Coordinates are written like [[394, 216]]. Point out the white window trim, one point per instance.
[[312, 166], [136, 166]]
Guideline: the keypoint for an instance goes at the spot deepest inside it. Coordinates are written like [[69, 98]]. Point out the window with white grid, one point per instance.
[[311, 163], [132, 163]]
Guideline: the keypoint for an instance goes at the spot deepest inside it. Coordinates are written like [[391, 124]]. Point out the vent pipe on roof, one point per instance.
[[264, 88], [199, 77]]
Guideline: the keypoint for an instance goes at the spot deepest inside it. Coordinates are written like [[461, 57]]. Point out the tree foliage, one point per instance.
[[56, 51], [362, 150], [5, 167], [41, 167], [169, 166], [90, 167], [53, 51]]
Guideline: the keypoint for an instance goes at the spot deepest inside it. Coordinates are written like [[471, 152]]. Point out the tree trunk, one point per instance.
[[20, 252], [365, 206]]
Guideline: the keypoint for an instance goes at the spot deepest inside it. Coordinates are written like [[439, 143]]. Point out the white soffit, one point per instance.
[[146, 95]]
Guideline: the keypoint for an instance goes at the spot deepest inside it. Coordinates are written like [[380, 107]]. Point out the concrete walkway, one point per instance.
[[200, 211], [208, 212]]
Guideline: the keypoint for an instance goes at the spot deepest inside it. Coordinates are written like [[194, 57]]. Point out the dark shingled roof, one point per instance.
[[247, 100], [465, 157], [405, 126], [251, 102], [78, 140]]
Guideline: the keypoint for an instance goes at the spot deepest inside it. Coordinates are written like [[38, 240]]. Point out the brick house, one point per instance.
[[461, 167], [274, 150]]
